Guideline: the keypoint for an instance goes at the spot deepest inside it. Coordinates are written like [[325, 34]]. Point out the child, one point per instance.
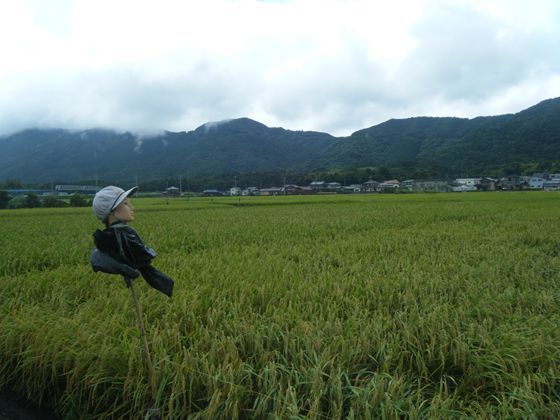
[[118, 241]]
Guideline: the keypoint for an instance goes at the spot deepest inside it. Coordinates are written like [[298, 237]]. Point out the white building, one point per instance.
[[471, 182], [317, 185], [408, 183], [370, 186], [354, 188], [250, 191], [463, 188], [332, 186], [235, 191], [551, 185], [536, 183], [271, 191], [391, 185]]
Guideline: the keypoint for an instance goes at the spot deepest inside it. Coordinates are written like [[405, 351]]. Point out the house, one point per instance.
[[431, 186], [352, 189], [472, 182], [408, 184], [72, 189], [172, 191], [250, 191], [296, 190], [271, 191], [389, 186], [537, 183], [235, 191], [211, 193], [463, 188], [511, 182], [551, 185], [332, 186], [370, 186], [317, 186], [487, 184]]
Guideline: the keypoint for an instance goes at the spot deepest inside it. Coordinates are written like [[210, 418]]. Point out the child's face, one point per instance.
[[124, 212]]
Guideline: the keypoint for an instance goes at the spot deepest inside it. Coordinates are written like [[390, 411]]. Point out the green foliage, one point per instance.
[[4, 199], [379, 306], [79, 200], [12, 184], [17, 202], [345, 176], [52, 201], [32, 201], [438, 147]]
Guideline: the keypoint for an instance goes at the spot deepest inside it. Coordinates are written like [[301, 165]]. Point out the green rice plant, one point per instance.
[[379, 306]]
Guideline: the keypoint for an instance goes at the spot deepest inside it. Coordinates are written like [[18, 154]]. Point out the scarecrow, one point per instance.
[[119, 242], [119, 250]]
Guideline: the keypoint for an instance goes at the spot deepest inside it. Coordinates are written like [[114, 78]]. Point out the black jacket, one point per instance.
[[122, 243]]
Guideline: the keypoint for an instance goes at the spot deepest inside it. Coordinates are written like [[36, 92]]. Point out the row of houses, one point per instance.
[[537, 181], [550, 182], [321, 187]]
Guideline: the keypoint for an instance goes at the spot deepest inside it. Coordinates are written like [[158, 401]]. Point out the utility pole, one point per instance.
[[239, 196], [187, 182]]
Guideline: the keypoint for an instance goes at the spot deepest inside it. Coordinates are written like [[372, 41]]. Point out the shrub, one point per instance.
[[17, 202], [52, 201], [32, 201], [4, 199], [78, 200]]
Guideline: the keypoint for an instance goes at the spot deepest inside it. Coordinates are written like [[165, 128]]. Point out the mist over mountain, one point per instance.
[[446, 145]]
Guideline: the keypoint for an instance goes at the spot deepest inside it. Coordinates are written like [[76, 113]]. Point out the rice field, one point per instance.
[[319, 307]]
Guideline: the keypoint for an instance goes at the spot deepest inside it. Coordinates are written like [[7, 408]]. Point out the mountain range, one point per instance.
[[441, 146]]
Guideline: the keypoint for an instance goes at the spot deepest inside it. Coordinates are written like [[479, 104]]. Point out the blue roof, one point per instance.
[[25, 190]]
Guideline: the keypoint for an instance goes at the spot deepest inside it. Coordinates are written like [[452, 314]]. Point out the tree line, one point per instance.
[[343, 175], [32, 200]]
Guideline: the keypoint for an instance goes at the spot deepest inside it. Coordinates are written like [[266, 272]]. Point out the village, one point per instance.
[[538, 181], [535, 182]]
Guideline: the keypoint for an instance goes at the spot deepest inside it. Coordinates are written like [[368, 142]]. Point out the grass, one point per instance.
[[428, 305]]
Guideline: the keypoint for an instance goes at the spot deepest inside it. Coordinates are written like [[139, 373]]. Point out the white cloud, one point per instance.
[[334, 66]]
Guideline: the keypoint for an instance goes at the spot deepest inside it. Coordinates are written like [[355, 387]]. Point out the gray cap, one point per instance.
[[107, 200]]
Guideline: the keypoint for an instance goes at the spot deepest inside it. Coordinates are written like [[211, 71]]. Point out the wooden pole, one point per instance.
[[149, 364]]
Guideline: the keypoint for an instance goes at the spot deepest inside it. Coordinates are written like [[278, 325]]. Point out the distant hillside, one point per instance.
[[451, 145], [459, 145], [240, 145]]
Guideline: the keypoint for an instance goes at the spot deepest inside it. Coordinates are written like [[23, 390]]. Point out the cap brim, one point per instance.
[[123, 196]]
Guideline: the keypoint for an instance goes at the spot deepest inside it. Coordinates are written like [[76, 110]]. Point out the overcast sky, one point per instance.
[[331, 66]]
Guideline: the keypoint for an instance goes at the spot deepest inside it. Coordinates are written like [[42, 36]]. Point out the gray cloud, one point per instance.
[[339, 68], [463, 54]]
